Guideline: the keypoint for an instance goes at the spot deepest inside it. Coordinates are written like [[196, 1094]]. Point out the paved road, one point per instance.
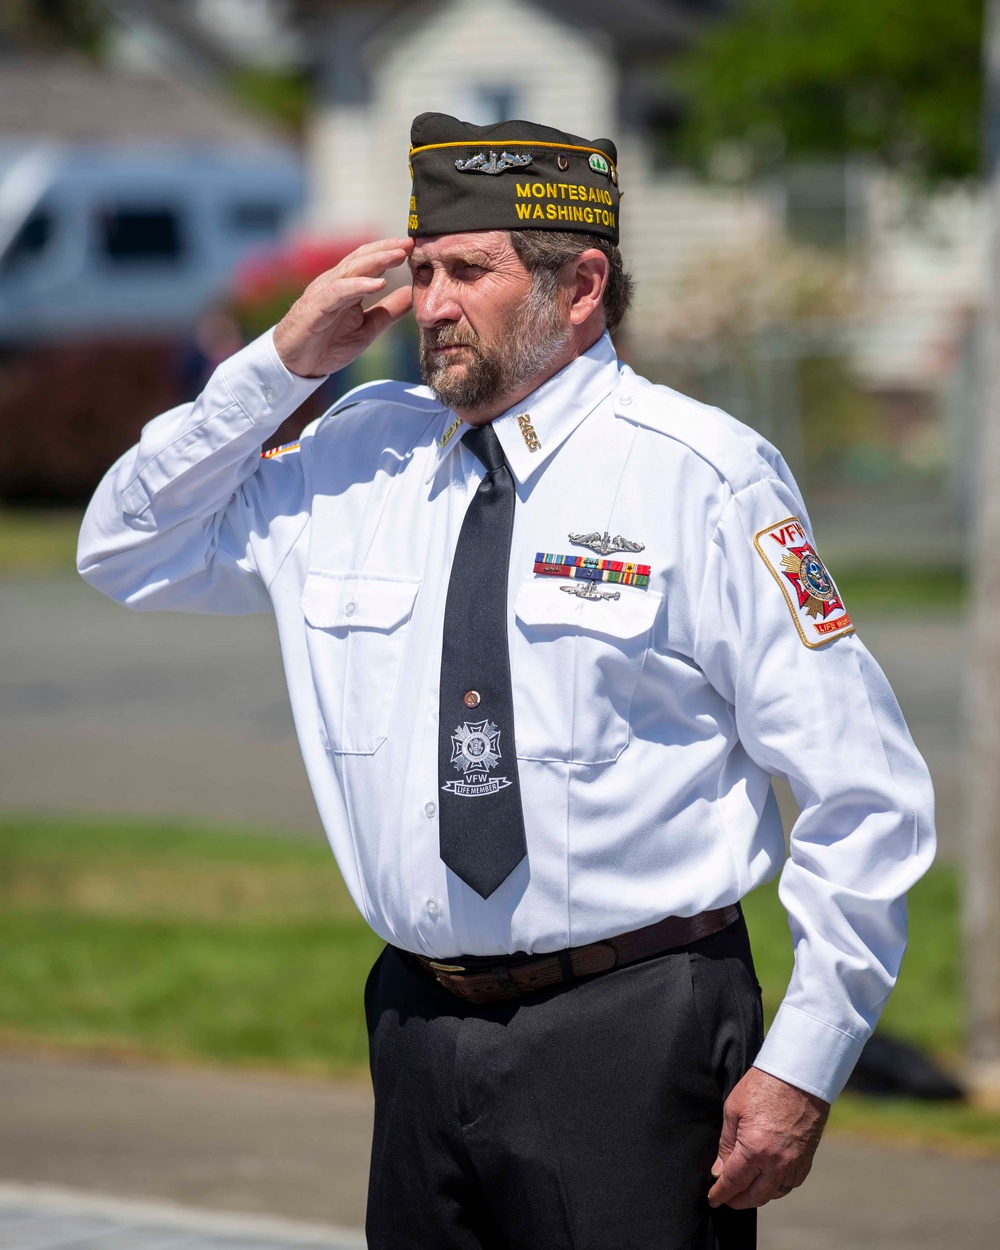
[[36, 1217], [298, 1149], [106, 710]]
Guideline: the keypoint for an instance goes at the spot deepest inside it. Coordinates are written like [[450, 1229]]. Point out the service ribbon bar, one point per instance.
[[591, 570]]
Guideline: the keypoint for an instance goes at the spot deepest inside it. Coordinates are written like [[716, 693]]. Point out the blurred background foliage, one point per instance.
[[45, 25], [899, 80]]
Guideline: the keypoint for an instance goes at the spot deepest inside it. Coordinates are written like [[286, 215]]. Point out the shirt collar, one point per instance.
[[530, 431]]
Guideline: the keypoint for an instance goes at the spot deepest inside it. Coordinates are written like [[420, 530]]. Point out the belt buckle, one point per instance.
[[446, 967]]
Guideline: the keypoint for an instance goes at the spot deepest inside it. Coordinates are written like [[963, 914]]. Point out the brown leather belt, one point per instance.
[[483, 979]]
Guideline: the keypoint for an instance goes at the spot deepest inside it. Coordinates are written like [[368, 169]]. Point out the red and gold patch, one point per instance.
[[812, 596]]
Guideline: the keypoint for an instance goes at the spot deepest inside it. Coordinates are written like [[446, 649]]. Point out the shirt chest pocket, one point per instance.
[[356, 627], [576, 665]]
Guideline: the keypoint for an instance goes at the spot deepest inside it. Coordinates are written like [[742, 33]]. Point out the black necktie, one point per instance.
[[481, 823]]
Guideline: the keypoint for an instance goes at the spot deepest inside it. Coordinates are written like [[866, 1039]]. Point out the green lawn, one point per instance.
[[180, 943], [233, 947], [36, 541], [901, 589]]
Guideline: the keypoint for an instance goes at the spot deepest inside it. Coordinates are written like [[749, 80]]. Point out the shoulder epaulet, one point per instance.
[[737, 453]]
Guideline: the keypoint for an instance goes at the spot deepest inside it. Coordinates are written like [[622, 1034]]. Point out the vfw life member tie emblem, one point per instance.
[[809, 590], [475, 751]]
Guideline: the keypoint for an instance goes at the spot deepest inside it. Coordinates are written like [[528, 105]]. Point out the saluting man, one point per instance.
[[548, 630]]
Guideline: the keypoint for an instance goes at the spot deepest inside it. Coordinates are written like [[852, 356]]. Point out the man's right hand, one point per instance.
[[326, 327]]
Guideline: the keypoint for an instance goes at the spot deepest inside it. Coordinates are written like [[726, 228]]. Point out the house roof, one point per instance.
[[655, 24], [67, 97]]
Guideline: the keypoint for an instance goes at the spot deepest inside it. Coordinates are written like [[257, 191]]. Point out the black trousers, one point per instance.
[[586, 1117]]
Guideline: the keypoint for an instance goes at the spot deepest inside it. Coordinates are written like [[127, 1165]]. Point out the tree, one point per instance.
[[47, 24], [900, 79]]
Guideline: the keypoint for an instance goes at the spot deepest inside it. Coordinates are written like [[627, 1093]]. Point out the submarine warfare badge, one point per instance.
[[809, 590], [478, 164]]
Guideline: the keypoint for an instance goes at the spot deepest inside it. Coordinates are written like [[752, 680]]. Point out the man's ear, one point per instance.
[[586, 277]]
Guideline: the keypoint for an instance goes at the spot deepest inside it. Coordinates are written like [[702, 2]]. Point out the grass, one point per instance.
[[180, 943], [36, 542], [243, 948], [902, 589]]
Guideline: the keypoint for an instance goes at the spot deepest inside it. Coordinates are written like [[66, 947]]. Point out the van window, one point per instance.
[[31, 240], [250, 217], [139, 235]]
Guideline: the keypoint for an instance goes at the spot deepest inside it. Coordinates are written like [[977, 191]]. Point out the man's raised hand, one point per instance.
[[326, 327]]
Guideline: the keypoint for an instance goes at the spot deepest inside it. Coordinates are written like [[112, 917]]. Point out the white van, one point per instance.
[[132, 240]]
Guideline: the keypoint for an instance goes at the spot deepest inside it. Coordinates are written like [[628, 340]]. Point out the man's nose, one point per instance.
[[435, 304]]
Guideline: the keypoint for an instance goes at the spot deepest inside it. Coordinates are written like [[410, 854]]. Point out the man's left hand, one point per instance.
[[770, 1131]]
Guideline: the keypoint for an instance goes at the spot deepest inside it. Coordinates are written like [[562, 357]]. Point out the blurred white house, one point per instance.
[[704, 250], [590, 68], [603, 69]]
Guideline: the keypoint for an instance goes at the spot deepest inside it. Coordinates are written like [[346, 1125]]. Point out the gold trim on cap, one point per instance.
[[511, 143]]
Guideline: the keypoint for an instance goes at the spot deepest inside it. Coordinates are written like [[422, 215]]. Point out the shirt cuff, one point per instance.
[[805, 1052], [264, 388]]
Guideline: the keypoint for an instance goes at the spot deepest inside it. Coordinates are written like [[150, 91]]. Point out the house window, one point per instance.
[[141, 235], [258, 218], [492, 102]]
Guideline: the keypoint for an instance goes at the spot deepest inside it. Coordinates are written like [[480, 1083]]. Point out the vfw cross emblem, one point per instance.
[[475, 752], [809, 590]]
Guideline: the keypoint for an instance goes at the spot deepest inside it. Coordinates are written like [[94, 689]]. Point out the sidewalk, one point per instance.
[[42, 1218], [267, 1148]]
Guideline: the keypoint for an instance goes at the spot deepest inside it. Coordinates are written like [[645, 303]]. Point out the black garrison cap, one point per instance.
[[509, 176]]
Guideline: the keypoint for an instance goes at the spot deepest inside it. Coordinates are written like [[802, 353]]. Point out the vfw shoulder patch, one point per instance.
[[817, 608]]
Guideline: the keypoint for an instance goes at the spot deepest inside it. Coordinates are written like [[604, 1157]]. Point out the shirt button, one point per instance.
[[270, 394], [430, 809], [432, 907], [472, 698], [625, 400], [350, 608]]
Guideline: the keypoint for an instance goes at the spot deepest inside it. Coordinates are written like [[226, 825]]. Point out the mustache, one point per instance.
[[449, 336]]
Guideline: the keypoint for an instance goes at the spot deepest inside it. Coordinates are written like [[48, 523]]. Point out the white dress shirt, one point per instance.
[[647, 725]]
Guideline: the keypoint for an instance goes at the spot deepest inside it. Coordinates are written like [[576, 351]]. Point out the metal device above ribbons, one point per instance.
[[604, 544]]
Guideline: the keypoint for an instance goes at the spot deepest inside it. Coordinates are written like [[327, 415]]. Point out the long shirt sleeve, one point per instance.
[[823, 717], [174, 523]]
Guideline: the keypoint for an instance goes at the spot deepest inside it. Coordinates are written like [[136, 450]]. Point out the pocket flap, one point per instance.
[[357, 600], [543, 603]]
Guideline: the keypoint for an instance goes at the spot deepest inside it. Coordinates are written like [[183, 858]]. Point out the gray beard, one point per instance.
[[532, 340]]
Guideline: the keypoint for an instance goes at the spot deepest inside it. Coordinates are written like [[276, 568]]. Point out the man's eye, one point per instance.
[[470, 271], [422, 275]]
